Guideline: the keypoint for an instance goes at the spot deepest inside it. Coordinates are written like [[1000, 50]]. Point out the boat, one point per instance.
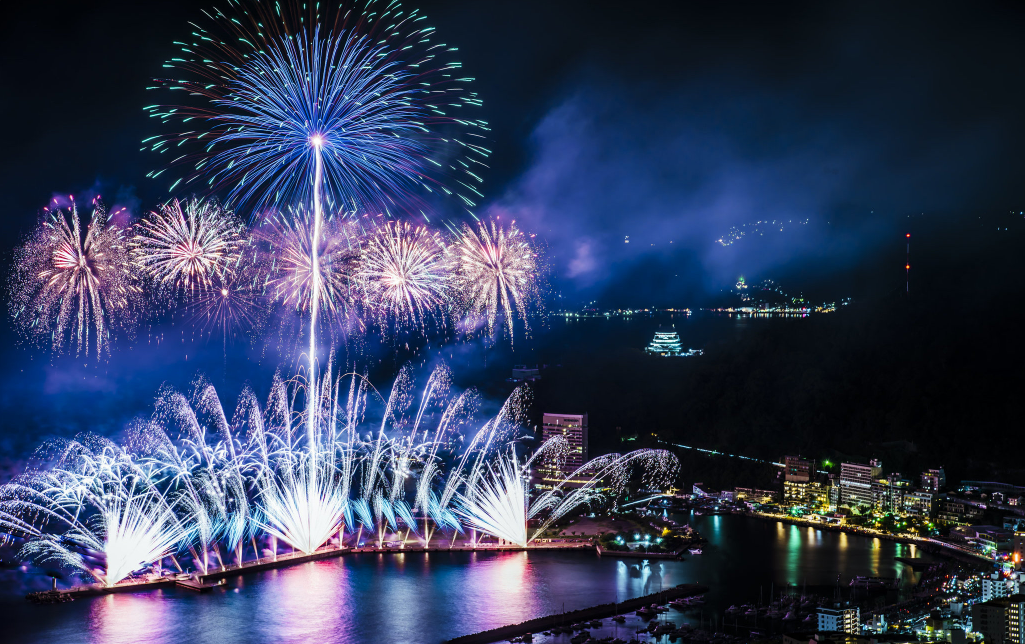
[[619, 619], [695, 551], [790, 616], [580, 639], [751, 612], [595, 623], [732, 609]]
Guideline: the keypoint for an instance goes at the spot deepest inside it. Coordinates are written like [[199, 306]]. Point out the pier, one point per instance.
[[215, 576], [601, 611]]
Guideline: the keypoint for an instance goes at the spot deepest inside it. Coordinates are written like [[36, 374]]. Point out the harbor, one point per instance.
[[438, 595]]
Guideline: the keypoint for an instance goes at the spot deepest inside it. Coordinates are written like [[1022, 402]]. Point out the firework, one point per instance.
[[364, 94], [306, 276], [186, 248], [347, 110], [75, 285], [404, 272], [232, 301], [97, 511], [495, 275], [497, 502], [197, 481]]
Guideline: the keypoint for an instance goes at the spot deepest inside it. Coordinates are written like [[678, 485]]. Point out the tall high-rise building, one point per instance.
[[1000, 620], [797, 469], [572, 427], [856, 483], [934, 480]]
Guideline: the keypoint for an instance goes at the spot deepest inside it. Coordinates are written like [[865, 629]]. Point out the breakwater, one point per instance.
[[601, 611], [214, 574]]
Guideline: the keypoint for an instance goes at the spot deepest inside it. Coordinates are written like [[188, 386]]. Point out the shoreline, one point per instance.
[[932, 546]]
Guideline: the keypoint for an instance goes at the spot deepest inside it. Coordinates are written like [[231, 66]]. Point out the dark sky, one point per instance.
[[658, 121], [665, 123]]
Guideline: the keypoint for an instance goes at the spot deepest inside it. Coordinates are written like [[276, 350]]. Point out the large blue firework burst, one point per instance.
[[369, 87]]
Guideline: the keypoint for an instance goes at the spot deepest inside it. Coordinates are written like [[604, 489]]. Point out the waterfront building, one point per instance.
[[812, 494], [798, 470], [1000, 621], [754, 495], [958, 512], [840, 620], [573, 428], [834, 493], [934, 480], [920, 502], [888, 494], [666, 343], [856, 483]]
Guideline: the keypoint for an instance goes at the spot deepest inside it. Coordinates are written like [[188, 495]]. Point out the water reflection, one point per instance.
[[314, 591], [122, 618], [412, 597]]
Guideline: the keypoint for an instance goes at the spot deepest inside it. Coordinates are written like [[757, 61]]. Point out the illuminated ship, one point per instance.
[[666, 343]]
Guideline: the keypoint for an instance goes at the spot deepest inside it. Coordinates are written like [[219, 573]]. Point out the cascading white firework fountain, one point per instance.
[[497, 503], [96, 510], [196, 479]]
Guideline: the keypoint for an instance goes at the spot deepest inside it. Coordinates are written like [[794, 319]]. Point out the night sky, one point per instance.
[[665, 123]]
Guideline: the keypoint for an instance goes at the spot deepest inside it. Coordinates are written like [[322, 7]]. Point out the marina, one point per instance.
[[440, 595]]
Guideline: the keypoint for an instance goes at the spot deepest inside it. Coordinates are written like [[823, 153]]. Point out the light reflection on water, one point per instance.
[[414, 597]]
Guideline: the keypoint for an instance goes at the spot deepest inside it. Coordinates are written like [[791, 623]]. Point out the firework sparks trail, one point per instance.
[[96, 511], [404, 271], [303, 276], [197, 480], [341, 110], [74, 285], [497, 502], [760, 227], [495, 274], [233, 301], [185, 248], [370, 87]]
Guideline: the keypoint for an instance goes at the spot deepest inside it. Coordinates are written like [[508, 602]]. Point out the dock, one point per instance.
[[215, 576], [601, 611]]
